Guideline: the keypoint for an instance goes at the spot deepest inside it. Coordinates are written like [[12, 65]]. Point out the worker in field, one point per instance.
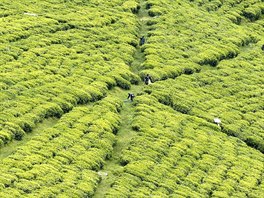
[[131, 96], [262, 47], [147, 79], [142, 41]]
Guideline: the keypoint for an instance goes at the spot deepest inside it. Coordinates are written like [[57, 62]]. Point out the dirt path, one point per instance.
[[125, 132]]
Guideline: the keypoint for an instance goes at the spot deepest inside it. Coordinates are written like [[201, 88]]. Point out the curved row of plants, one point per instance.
[[235, 10]]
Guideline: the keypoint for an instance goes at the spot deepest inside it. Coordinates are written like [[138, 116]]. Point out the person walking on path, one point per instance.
[[131, 96], [148, 79], [142, 41]]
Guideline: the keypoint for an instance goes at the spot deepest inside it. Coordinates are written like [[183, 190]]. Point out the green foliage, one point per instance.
[[253, 13], [179, 155], [60, 58], [66, 156], [123, 83], [178, 39], [218, 96], [131, 6], [78, 56]]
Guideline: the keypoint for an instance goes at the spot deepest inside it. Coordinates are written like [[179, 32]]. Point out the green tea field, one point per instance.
[[69, 130]]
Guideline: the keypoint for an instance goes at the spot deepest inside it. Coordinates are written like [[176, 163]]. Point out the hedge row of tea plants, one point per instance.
[[183, 37], [235, 10], [55, 55], [64, 160], [178, 155]]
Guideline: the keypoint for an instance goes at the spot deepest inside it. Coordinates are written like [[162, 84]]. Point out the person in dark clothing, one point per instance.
[[142, 40], [147, 79], [131, 96], [262, 47]]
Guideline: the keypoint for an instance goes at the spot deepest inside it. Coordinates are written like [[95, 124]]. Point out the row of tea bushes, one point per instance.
[[64, 160], [68, 53], [233, 92], [235, 10], [21, 114], [183, 36], [177, 155]]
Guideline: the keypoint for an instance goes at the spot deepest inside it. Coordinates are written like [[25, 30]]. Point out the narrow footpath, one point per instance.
[[125, 132]]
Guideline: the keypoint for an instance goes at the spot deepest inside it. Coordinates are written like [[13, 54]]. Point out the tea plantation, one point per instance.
[[67, 128]]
